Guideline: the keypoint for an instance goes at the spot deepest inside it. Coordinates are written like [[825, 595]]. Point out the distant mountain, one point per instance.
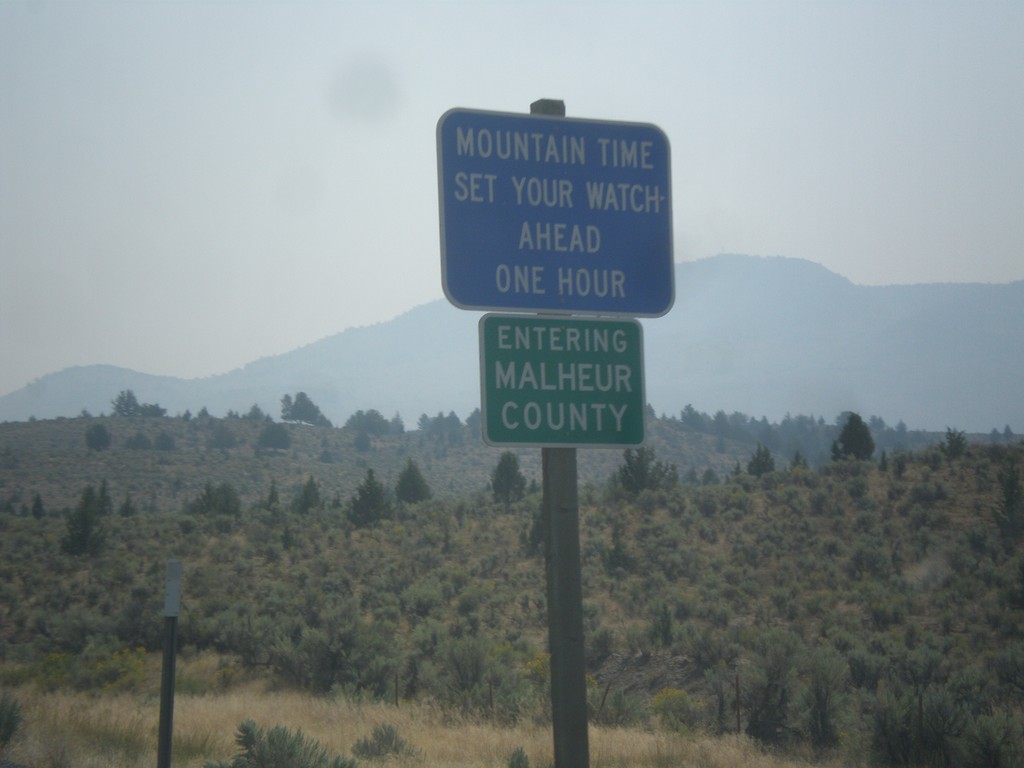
[[763, 336], [770, 336]]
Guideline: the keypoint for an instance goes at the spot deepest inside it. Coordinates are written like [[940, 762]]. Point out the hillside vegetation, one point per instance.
[[864, 611], [162, 462]]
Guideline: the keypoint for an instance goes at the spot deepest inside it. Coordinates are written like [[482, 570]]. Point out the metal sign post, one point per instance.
[[565, 590], [565, 608], [172, 601]]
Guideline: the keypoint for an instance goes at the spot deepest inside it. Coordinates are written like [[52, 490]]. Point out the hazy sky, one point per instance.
[[188, 186]]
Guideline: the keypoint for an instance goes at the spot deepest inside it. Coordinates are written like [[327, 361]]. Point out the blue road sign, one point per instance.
[[554, 214]]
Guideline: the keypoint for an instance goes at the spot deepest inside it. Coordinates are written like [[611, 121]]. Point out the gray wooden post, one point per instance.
[[172, 601]]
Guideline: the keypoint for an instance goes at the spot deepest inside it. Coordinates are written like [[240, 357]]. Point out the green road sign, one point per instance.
[[550, 381]]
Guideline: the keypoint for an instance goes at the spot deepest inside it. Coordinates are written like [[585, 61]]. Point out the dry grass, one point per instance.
[[65, 729]]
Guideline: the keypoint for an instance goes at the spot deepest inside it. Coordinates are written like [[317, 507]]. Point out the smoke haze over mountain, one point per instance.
[[762, 336]]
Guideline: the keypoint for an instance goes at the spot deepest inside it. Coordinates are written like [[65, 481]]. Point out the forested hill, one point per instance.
[[159, 461], [761, 336], [867, 610]]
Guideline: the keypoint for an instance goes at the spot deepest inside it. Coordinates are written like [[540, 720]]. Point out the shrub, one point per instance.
[[926, 728], [866, 668], [661, 625], [943, 720], [868, 559], [279, 747], [719, 681], [518, 759], [769, 686], [675, 709], [138, 442], [97, 667], [466, 664], [1010, 512], [995, 740], [600, 646], [343, 651], [1009, 667], [617, 709], [10, 719], [220, 500], [617, 556], [97, 437], [422, 598], [708, 648], [383, 742], [892, 732], [274, 437], [823, 698]]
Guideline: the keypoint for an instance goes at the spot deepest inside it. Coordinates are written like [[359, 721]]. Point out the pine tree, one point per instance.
[[370, 504], [411, 485], [272, 496], [302, 409], [308, 498], [507, 483], [855, 441], [955, 444], [106, 506], [97, 438], [125, 404], [642, 471], [761, 462], [1010, 513], [799, 462], [85, 532], [127, 508]]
